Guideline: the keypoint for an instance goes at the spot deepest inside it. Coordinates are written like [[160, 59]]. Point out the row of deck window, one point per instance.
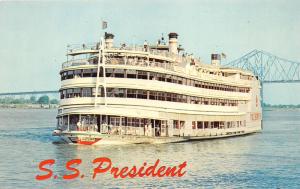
[[144, 94], [141, 122], [138, 74], [217, 124]]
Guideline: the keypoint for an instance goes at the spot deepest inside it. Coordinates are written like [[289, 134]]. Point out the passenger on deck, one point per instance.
[[123, 45], [158, 42], [146, 46], [78, 126]]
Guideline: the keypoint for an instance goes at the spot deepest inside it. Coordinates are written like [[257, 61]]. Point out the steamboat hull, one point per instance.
[[82, 138]]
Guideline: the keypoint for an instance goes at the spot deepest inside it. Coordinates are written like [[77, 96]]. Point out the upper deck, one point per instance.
[[160, 56]]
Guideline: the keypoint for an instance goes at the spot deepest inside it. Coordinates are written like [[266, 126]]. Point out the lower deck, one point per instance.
[[112, 125]]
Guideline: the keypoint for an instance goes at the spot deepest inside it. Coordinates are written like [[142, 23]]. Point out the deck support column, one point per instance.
[[68, 122]]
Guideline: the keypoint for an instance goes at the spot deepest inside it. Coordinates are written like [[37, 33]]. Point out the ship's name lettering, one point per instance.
[[104, 165]]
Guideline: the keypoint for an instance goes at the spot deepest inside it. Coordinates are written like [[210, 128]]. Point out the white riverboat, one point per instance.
[[152, 94]]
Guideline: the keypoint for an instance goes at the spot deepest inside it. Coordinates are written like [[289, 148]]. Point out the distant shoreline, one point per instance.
[[278, 108], [55, 106], [29, 106]]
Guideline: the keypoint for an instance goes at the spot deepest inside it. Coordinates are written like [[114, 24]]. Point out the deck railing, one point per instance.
[[167, 66], [118, 61], [82, 47], [92, 60], [134, 48], [76, 62]]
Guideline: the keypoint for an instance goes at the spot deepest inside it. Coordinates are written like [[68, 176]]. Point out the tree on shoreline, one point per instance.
[[31, 100], [43, 100], [54, 101]]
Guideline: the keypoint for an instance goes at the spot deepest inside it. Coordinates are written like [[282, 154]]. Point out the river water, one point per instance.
[[270, 159]]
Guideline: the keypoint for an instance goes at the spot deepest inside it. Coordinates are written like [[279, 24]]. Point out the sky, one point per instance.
[[34, 34]]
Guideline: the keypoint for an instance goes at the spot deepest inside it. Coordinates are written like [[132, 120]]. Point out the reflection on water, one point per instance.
[[267, 160]]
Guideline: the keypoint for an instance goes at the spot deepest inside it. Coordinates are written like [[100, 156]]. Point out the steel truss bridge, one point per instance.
[[266, 66]]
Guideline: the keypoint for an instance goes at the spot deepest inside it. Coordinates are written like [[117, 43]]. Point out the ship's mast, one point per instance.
[[104, 71], [101, 58]]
